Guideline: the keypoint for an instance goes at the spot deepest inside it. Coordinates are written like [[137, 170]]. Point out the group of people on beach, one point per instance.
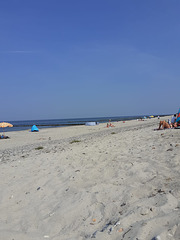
[[109, 125], [170, 124]]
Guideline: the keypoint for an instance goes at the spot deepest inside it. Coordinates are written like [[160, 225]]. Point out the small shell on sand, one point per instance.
[[120, 230]]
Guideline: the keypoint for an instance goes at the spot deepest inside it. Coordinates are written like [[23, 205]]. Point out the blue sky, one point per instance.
[[89, 58]]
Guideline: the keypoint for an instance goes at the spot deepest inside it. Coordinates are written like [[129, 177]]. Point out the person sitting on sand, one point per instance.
[[3, 137], [163, 125], [111, 125]]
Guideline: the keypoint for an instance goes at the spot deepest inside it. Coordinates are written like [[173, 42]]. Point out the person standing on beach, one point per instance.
[[173, 119]]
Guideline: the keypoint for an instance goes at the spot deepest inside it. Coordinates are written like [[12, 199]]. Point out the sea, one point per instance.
[[51, 123]]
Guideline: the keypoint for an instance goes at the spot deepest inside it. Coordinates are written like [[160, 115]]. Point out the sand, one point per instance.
[[91, 182]]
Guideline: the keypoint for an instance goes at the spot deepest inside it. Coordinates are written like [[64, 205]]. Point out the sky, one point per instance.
[[89, 58]]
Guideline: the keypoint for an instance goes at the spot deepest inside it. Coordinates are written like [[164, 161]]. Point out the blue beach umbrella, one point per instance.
[[178, 116]]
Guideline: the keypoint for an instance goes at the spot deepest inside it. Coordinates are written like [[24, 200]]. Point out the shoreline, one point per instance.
[[84, 182], [26, 125]]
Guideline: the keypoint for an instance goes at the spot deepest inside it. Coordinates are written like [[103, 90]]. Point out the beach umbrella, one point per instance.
[[5, 124], [178, 116]]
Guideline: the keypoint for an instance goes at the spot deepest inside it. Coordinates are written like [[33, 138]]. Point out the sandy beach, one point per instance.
[[91, 182]]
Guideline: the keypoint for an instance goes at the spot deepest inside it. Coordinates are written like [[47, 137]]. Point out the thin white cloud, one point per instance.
[[19, 51]]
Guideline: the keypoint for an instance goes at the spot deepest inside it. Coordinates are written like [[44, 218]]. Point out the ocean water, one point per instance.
[[27, 124]]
